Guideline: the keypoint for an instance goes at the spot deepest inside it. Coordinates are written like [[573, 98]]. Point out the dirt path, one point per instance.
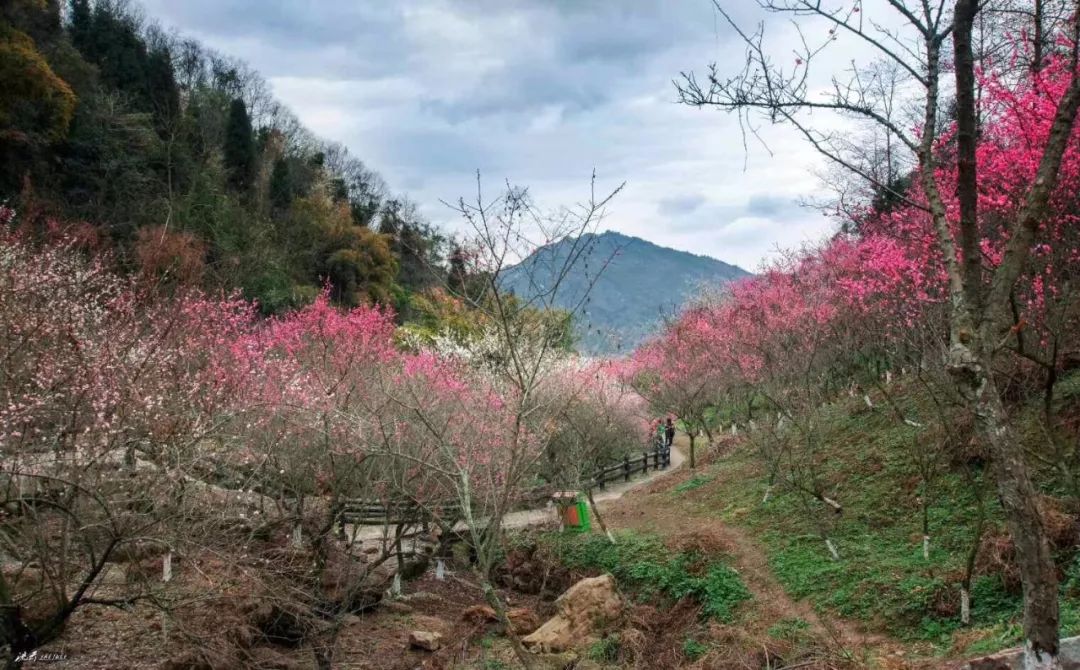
[[685, 523]]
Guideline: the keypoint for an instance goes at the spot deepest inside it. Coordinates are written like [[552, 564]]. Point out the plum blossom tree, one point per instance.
[[105, 392], [979, 285]]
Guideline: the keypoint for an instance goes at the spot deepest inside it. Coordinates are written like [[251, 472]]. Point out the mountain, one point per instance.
[[633, 283]]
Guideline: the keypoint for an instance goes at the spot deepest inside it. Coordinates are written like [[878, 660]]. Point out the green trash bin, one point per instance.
[[583, 515], [573, 511]]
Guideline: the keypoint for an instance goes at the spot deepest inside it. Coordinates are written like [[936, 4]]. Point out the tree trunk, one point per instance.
[[925, 522], [969, 565], [693, 464], [599, 519], [492, 599], [1019, 501], [708, 436]]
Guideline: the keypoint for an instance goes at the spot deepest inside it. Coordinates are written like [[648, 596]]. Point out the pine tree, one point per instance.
[[458, 275], [239, 147], [81, 24], [162, 90], [281, 193]]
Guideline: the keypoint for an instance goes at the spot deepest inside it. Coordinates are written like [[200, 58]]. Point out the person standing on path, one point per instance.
[[669, 433]]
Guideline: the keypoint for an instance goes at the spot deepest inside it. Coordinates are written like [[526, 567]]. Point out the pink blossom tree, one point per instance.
[[979, 285]]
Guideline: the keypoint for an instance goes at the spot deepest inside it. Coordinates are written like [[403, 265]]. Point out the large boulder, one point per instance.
[[426, 640], [584, 610]]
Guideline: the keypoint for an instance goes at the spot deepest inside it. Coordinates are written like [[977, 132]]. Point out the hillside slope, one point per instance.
[[633, 283]]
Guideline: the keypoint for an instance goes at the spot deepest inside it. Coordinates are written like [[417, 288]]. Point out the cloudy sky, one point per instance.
[[539, 92]]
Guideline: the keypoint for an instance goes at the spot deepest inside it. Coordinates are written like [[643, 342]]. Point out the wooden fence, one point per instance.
[[660, 456], [447, 513]]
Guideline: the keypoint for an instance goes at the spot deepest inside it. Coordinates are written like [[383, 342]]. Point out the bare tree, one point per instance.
[[515, 355]]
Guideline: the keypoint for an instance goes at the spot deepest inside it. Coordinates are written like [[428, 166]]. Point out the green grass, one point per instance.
[[790, 630], [694, 649], [606, 649], [643, 565], [882, 579], [695, 482]]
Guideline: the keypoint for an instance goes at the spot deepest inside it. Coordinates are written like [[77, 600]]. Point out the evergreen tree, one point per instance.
[[239, 147], [281, 193], [414, 242], [115, 46], [339, 190], [81, 28], [457, 276], [162, 90], [364, 210]]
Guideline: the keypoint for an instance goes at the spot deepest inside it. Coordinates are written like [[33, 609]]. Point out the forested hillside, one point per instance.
[[180, 160]]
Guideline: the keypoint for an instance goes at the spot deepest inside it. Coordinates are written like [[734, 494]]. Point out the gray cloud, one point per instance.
[[537, 91], [679, 205], [768, 205]]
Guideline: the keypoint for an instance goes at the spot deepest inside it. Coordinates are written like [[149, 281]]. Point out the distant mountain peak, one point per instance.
[[633, 283]]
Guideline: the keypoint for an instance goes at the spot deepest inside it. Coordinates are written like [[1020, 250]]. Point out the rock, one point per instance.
[[479, 614], [26, 578], [136, 551], [523, 620], [381, 575], [426, 640], [461, 555], [1012, 659], [415, 568], [431, 623], [113, 575], [583, 610], [422, 597], [143, 571]]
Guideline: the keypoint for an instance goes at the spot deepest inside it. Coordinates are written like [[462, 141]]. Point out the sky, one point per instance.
[[540, 93]]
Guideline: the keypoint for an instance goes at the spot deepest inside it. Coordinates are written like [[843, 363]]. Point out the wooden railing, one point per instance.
[[447, 513], [660, 456]]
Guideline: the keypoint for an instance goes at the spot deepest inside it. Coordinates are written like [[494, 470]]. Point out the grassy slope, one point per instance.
[[882, 580]]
